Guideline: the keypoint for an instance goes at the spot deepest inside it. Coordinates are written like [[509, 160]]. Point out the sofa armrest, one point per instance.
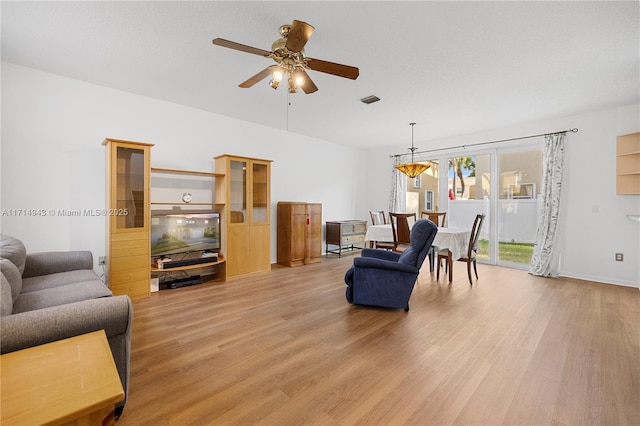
[[381, 254], [112, 314], [53, 262], [375, 263]]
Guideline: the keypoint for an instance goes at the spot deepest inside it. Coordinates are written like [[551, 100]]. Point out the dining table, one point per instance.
[[455, 239]]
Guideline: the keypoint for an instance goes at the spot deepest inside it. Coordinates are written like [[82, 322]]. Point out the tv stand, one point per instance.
[[217, 270], [183, 282], [187, 266], [171, 194], [185, 262]]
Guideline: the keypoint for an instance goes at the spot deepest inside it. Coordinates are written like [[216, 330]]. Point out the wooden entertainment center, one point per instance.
[[239, 191], [202, 185]]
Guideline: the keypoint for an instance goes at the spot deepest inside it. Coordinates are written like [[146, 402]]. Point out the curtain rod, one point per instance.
[[574, 130]]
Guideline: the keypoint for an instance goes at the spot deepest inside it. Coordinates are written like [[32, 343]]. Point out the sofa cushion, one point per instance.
[[12, 275], [6, 303], [12, 248], [43, 282], [61, 295]]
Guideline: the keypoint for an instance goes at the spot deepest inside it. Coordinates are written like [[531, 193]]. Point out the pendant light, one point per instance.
[[412, 169]]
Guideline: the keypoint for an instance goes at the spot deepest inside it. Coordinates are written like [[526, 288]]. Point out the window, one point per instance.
[[428, 200]]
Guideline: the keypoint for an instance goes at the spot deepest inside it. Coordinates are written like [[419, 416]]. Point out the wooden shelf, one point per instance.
[[188, 267], [185, 204], [160, 202], [628, 164], [185, 172]]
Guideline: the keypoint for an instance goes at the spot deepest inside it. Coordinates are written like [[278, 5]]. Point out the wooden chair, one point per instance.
[[438, 218], [401, 230], [469, 258], [377, 217]]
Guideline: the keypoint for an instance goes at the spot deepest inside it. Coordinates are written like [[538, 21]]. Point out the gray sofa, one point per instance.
[[55, 295]]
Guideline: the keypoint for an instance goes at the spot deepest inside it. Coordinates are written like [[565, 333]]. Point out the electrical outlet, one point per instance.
[[102, 261], [619, 257]]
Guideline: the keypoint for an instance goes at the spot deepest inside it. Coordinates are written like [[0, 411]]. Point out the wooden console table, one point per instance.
[[345, 233], [71, 381]]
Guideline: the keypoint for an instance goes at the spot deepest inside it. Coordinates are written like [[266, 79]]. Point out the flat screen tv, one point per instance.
[[184, 232]]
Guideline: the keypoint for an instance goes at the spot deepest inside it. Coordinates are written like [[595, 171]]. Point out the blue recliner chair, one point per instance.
[[386, 278]]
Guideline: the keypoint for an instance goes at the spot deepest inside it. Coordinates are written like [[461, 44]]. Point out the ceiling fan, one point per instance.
[[288, 53]]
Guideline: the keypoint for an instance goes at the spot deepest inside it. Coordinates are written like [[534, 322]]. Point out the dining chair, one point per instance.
[[438, 218], [401, 230], [470, 257], [378, 218]]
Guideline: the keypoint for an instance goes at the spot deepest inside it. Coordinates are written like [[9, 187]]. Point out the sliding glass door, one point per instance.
[[469, 194], [503, 184], [518, 206]]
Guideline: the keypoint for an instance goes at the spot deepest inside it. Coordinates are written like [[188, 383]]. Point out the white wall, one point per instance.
[[52, 157], [593, 222]]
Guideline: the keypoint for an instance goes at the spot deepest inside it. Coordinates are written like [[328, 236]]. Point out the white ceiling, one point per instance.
[[451, 67]]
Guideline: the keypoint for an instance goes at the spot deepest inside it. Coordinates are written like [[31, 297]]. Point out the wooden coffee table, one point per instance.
[[71, 380]]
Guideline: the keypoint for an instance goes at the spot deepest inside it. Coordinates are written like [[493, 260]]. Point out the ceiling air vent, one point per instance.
[[370, 99]]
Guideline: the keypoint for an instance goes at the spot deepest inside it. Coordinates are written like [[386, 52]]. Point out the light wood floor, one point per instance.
[[286, 348]]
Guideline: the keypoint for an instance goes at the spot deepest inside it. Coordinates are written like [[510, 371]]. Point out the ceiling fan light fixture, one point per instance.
[[288, 54], [412, 169], [293, 88]]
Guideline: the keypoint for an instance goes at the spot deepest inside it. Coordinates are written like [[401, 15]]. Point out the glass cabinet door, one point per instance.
[[130, 200], [238, 191], [260, 193]]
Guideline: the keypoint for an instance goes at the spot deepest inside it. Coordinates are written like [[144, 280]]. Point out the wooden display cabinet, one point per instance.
[[128, 216], [299, 233], [246, 192]]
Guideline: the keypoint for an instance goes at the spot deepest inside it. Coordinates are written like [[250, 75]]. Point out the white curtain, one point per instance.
[[545, 259], [398, 193]]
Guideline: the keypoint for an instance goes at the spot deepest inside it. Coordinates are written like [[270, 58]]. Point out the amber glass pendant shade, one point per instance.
[[412, 169]]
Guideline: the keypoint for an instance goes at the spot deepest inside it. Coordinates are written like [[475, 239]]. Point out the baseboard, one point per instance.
[[601, 280]]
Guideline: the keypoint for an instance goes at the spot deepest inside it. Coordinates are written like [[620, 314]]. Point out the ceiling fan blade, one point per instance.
[[340, 70], [256, 78], [241, 47], [308, 86], [298, 35]]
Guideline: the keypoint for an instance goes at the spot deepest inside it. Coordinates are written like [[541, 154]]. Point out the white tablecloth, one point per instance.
[[455, 239]]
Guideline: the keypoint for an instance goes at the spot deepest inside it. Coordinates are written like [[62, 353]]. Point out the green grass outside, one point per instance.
[[167, 243], [509, 252]]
